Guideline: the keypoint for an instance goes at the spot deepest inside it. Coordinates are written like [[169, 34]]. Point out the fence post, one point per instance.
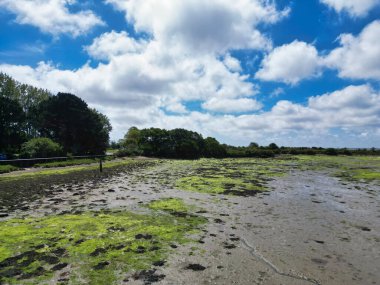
[[100, 165]]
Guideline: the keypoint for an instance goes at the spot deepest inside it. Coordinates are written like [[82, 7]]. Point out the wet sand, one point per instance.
[[310, 229]]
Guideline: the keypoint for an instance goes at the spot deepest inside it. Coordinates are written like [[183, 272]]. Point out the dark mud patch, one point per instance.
[[148, 276], [14, 194], [101, 265], [195, 267]]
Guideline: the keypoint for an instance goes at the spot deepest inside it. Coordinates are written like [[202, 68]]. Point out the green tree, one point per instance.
[[12, 120], [40, 147], [253, 145], [273, 146], [212, 148], [27, 96], [130, 143], [66, 119]]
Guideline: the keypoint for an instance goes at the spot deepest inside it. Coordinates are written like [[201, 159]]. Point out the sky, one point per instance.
[[297, 73]]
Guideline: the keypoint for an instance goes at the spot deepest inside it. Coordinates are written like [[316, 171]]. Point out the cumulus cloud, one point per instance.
[[214, 25], [114, 44], [355, 8], [232, 105], [149, 82], [52, 16], [232, 63], [358, 57], [290, 63]]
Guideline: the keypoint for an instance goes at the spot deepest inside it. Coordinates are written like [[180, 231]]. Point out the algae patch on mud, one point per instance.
[[240, 177], [352, 168], [92, 247]]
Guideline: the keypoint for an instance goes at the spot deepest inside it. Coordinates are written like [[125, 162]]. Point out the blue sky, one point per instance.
[[298, 73]]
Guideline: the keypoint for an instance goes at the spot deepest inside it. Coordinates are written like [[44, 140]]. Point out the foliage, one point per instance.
[[12, 119], [212, 148], [7, 168], [129, 146], [28, 97], [176, 143], [67, 119], [273, 146], [40, 148]]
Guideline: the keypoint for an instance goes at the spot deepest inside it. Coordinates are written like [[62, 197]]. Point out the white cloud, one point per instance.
[[290, 63], [352, 97], [232, 105], [213, 25], [358, 57], [356, 8], [354, 110], [140, 79], [277, 92], [52, 16], [232, 63], [114, 44]]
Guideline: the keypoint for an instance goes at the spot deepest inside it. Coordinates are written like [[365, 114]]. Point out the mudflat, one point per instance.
[[289, 220]]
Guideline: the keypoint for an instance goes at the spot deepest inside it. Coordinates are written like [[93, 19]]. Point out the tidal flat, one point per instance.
[[284, 220]]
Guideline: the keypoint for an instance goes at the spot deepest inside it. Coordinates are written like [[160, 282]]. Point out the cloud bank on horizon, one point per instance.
[[239, 71]]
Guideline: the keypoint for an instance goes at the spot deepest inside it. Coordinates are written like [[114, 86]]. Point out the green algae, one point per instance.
[[245, 177], [351, 168], [170, 205], [94, 247]]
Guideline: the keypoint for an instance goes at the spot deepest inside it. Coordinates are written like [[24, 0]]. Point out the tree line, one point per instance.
[[184, 144], [36, 123]]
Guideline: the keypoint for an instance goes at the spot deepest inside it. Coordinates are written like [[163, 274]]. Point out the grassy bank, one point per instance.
[[37, 173], [7, 168]]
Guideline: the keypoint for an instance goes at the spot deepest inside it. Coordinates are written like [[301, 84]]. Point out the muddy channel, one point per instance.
[[311, 228]]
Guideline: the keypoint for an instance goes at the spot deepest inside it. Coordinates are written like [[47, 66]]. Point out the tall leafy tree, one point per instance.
[[27, 96], [66, 119], [12, 120]]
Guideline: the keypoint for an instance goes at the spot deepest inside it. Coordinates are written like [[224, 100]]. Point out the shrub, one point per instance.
[[7, 168], [331, 151], [40, 147]]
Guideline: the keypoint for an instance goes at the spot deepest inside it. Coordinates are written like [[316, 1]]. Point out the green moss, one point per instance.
[[99, 247]]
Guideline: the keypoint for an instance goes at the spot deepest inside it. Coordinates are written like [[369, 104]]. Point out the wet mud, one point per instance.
[[307, 227]]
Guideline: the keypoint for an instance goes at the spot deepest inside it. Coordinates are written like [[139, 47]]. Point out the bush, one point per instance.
[[331, 151], [7, 168], [128, 152], [40, 148]]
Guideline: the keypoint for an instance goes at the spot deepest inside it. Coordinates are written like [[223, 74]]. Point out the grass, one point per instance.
[[94, 247], [70, 162], [66, 170], [7, 168]]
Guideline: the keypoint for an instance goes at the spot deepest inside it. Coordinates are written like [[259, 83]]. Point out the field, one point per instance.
[[285, 220]]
